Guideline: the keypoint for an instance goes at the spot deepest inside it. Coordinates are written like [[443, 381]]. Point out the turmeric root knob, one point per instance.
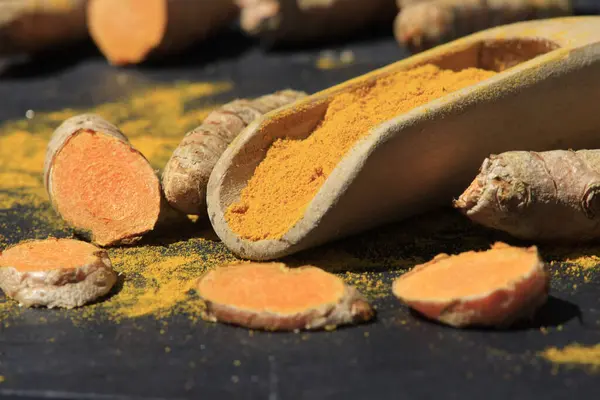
[[55, 273], [551, 195], [99, 183], [490, 288], [273, 297]]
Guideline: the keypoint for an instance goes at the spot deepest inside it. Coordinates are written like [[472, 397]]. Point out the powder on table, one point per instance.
[[574, 354], [293, 171]]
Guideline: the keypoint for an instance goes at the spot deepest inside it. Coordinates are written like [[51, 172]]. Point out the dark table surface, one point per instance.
[[44, 354]]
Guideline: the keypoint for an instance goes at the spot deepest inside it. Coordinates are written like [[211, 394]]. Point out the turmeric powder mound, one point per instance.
[[274, 297], [493, 288], [293, 171]]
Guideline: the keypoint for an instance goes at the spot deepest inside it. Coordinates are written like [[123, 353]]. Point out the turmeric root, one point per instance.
[[491, 288], [552, 195], [100, 184], [186, 174], [271, 296], [309, 20], [426, 24], [131, 31], [55, 273], [33, 26]]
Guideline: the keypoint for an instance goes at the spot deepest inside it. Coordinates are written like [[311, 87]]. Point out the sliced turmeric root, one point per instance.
[[271, 296], [55, 273], [490, 288], [131, 31], [100, 184]]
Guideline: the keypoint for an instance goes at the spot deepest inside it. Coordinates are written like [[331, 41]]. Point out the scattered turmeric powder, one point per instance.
[[494, 288], [293, 171], [574, 354], [274, 297]]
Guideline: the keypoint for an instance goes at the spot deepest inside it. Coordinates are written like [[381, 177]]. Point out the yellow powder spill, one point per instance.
[[293, 171], [157, 280], [574, 354]]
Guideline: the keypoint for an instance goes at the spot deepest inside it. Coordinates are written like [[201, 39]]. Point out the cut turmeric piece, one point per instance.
[[131, 31], [490, 288], [272, 296], [55, 273], [100, 184]]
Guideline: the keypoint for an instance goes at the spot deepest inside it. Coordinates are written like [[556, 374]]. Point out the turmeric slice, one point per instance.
[[496, 287], [100, 184], [272, 296], [301, 21], [186, 174], [34, 26], [421, 25], [552, 195], [132, 31], [55, 273]]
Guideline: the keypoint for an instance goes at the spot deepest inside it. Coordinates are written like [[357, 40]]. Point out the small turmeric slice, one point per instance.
[[496, 287], [55, 273], [100, 184], [273, 297]]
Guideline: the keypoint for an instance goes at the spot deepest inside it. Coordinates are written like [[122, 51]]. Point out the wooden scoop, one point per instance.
[[545, 97]]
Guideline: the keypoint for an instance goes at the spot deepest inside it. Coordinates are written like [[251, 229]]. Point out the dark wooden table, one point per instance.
[[398, 356]]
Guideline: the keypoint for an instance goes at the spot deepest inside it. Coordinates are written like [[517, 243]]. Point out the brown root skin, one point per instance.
[[34, 26], [96, 125], [422, 25], [147, 29], [64, 287], [186, 174], [499, 307], [299, 21], [548, 196], [351, 308]]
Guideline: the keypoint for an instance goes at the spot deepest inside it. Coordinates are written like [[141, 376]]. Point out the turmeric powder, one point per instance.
[[574, 354], [294, 170]]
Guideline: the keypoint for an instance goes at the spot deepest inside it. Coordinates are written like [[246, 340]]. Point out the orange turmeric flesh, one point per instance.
[[468, 274], [293, 171], [127, 30], [100, 184], [50, 254], [488, 288], [271, 287]]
